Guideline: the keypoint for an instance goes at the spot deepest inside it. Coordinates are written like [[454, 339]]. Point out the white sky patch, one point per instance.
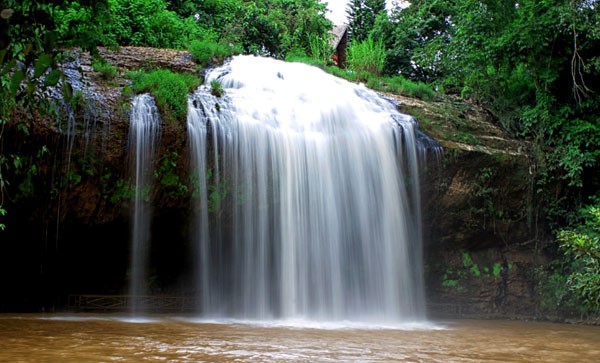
[[337, 9]]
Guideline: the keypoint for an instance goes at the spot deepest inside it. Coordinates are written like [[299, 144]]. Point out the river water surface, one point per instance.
[[81, 338]]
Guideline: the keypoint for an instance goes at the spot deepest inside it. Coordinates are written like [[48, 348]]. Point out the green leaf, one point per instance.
[[53, 78], [41, 65], [15, 82]]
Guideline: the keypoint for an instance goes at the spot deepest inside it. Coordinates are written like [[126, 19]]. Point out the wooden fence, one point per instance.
[[148, 303]]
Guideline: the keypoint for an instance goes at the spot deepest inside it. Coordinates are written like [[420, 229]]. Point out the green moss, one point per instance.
[[170, 90]]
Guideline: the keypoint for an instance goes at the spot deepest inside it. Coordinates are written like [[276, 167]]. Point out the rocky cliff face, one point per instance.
[[485, 234], [70, 217]]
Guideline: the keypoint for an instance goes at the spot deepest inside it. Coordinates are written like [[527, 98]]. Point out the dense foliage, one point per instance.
[[582, 243], [533, 64]]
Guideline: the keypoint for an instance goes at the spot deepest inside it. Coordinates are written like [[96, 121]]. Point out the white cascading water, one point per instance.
[[143, 138], [313, 185]]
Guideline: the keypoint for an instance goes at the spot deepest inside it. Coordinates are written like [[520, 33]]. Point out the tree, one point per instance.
[[361, 17], [417, 38]]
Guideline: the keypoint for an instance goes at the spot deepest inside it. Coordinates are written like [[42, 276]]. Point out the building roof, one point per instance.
[[337, 33]]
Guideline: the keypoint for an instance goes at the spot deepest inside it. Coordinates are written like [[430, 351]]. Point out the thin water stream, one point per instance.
[[107, 338]]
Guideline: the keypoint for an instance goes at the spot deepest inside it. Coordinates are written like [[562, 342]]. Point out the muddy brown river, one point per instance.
[[101, 338]]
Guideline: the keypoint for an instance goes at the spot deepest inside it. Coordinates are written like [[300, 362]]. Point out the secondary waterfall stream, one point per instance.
[[143, 137], [314, 185]]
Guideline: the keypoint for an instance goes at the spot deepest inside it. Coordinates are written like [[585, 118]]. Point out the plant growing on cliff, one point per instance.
[[170, 90], [168, 178], [216, 89], [456, 278]]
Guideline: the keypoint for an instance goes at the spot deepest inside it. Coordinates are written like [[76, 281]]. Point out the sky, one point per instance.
[[338, 10]]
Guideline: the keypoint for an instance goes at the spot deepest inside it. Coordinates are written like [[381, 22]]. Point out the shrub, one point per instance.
[[170, 90]]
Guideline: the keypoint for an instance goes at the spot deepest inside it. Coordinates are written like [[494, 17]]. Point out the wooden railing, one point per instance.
[[152, 303]]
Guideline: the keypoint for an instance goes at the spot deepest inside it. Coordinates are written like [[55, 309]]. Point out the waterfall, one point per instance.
[[197, 135], [143, 137], [313, 193]]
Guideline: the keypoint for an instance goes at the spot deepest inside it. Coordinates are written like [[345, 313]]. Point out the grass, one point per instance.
[[170, 90], [367, 56], [401, 86]]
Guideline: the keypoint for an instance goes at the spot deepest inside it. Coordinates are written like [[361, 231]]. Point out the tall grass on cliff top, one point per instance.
[[170, 90], [367, 56]]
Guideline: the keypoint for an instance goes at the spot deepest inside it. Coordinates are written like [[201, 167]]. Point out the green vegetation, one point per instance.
[[169, 89], [120, 191], [538, 88], [207, 51], [552, 289], [472, 271], [216, 89], [166, 174], [367, 56], [582, 243], [402, 86], [361, 17], [321, 49], [107, 71]]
